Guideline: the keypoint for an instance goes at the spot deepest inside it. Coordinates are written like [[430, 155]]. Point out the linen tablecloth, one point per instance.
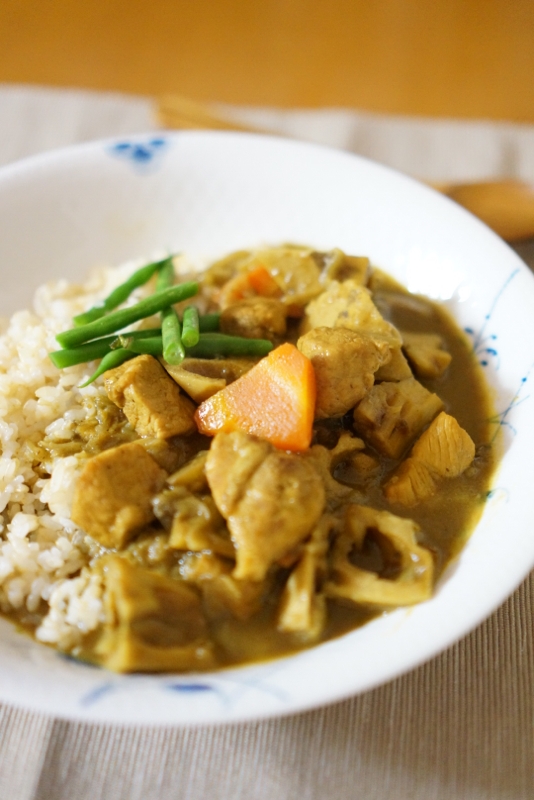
[[461, 727]]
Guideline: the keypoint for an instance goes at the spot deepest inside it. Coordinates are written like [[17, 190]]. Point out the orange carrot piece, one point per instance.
[[263, 282], [275, 400], [257, 281]]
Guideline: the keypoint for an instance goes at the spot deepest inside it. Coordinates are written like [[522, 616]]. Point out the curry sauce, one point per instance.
[[220, 535]]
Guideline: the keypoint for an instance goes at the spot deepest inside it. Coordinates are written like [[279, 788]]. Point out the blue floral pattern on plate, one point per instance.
[[144, 155]]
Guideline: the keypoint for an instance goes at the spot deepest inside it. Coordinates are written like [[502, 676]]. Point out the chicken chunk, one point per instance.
[[270, 499], [112, 498], [153, 623], [426, 354], [393, 414], [444, 450], [255, 318], [150, 399], [404, 577], [344, 363], [349, 305]]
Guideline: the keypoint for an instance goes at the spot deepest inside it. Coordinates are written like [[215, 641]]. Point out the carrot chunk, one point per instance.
[[263, 282], [257, 281], [275, 400]]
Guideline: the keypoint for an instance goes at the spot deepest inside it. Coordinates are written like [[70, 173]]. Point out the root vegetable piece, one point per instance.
[[393, 414], [412, 563], [275, 401]]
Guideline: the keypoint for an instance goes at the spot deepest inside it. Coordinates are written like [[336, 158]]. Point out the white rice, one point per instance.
[[42, 552]]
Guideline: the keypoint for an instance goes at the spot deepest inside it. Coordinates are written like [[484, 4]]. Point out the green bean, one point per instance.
[[95, 349], [121, 319], [210, 345], [121, 292], [152, 346], [171, 330], [165, 276], [111, 360], [190, 330], [208, 323], [172, 343], [219, 345], [85, 352]]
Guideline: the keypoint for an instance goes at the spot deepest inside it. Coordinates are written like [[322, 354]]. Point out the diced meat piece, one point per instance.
[[255, 318], [396, 369], [150, 399], [406, 574], [411, 482], [426, 354], [201, 378], [393, 414], [344, 268], [112, 499], [344, 363], [153, 623], [222, 594], [302, 605], [233, 460], [270, 499], [446, 447], [444, 450], [194, 523], [349, 305]]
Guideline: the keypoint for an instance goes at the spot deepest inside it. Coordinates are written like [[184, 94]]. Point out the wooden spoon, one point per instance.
[[506, 206]]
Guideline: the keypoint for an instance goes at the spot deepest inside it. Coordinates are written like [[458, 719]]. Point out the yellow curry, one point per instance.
[[248, 506]]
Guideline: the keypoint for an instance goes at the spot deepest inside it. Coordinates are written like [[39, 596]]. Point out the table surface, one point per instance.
[[460, 58]]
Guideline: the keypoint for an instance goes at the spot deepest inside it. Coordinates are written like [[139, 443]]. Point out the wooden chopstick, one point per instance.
[[174, 111], [506, 206]]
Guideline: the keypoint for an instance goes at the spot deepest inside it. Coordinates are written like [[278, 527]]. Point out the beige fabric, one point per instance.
[[460, 727]]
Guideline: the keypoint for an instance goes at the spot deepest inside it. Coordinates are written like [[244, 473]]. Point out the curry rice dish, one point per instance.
[[276, 450]]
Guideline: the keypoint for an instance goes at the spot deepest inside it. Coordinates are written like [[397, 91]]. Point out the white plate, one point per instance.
[[206, 194]]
